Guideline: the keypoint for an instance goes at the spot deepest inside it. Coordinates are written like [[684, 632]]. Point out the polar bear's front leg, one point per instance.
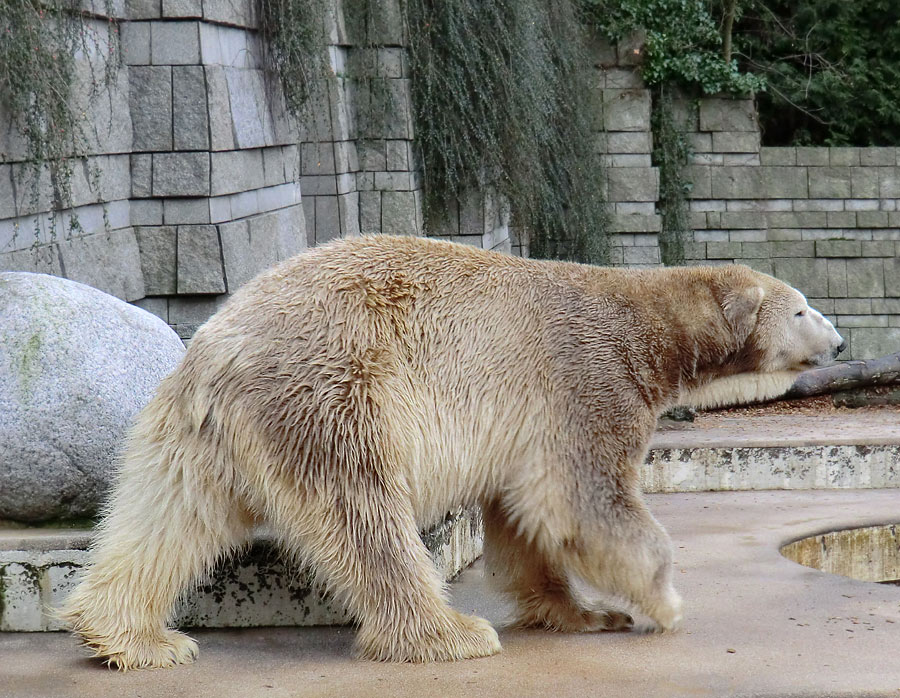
[[539, 588], [739, 389], [368, 551], [627, 555]]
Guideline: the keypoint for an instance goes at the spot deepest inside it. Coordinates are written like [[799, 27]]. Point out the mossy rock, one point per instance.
[[76, 366]]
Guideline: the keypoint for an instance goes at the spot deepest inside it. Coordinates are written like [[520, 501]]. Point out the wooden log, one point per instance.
[[846, 376]]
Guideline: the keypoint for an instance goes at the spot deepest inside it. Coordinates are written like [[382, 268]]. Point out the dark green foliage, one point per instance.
[[833, 67], [502, 101], [683, 44], [38, 44]]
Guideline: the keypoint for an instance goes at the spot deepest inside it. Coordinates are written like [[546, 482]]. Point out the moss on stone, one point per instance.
[[2, 593], [28, 362]]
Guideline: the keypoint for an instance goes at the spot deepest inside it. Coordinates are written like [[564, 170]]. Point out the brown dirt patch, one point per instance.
[[812, 406]]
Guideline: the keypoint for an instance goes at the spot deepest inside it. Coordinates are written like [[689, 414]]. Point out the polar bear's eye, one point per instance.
[[800, 313]]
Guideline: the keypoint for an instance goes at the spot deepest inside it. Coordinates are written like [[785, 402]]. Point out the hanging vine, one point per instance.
[[685, 49], [39, 42], [502, 101], [295, 49], [670, 155]]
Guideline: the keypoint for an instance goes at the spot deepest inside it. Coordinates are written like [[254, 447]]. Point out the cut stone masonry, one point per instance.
[[822, 219], [201, 170]]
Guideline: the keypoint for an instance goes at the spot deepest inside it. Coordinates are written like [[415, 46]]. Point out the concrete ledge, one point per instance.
[[845, 450], [39, 567], [733, 468]]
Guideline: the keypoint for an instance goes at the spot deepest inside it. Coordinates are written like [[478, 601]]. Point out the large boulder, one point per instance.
[[76, 365]]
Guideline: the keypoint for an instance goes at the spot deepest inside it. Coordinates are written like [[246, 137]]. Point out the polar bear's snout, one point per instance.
[[824, 333], [840, 347]]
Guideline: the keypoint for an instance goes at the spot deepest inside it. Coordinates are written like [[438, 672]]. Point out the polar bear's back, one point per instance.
[[428, 353]]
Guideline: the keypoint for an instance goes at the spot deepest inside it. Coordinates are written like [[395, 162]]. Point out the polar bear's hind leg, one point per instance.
[[168, 521]]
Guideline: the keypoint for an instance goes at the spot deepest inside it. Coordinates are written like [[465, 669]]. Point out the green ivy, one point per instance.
[[683, 50], [683, 45], [833, 69]]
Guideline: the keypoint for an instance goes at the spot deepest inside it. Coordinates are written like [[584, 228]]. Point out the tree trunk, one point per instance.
[[845, 376], [727, 25]]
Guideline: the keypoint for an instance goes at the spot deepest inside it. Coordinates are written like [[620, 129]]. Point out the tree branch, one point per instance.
[[846, 376]]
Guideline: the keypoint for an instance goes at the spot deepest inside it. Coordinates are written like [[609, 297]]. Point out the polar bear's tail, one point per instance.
[[172, 512]]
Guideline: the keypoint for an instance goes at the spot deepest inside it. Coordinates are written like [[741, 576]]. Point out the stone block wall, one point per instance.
[[33, 240], [822, 219], [201, 173], [360, 169], [215, 191], [624, 138], [481, 219], [198, 169], [201, 168]]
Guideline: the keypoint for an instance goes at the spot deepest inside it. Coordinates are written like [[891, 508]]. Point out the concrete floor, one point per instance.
[[756, 625], [872, 427]]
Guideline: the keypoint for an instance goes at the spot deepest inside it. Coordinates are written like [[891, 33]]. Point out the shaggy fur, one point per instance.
[[352, 395]]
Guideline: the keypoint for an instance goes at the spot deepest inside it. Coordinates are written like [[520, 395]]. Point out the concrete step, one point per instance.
[[768, 452], [39, 567]]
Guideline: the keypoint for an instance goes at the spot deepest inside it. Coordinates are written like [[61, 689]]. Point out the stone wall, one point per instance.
[[198, 168], [624, 137], [361, 172], [202, 169], [202, 173], [822, 219], [215, 196], [30, 239]]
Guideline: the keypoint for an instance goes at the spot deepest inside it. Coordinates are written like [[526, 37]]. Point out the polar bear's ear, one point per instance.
[[740, 307]]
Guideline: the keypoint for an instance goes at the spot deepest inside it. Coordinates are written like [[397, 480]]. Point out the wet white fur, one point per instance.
[[739, 389], [356, 393], [799, 337]]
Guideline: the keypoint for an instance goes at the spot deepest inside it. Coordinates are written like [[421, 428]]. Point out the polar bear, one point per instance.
[[353, 394]]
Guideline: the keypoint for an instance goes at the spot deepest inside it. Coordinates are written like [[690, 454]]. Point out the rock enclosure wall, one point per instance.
[[202, 168], [207, 180], [823, 219]]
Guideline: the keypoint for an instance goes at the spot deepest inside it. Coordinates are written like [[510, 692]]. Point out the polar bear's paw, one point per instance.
[[159, 650], [561, 614], [666, 614], [613, 620], [457, 636]]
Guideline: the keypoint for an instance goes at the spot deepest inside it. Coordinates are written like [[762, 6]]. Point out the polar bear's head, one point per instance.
[[778, 335], [789, 334]]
